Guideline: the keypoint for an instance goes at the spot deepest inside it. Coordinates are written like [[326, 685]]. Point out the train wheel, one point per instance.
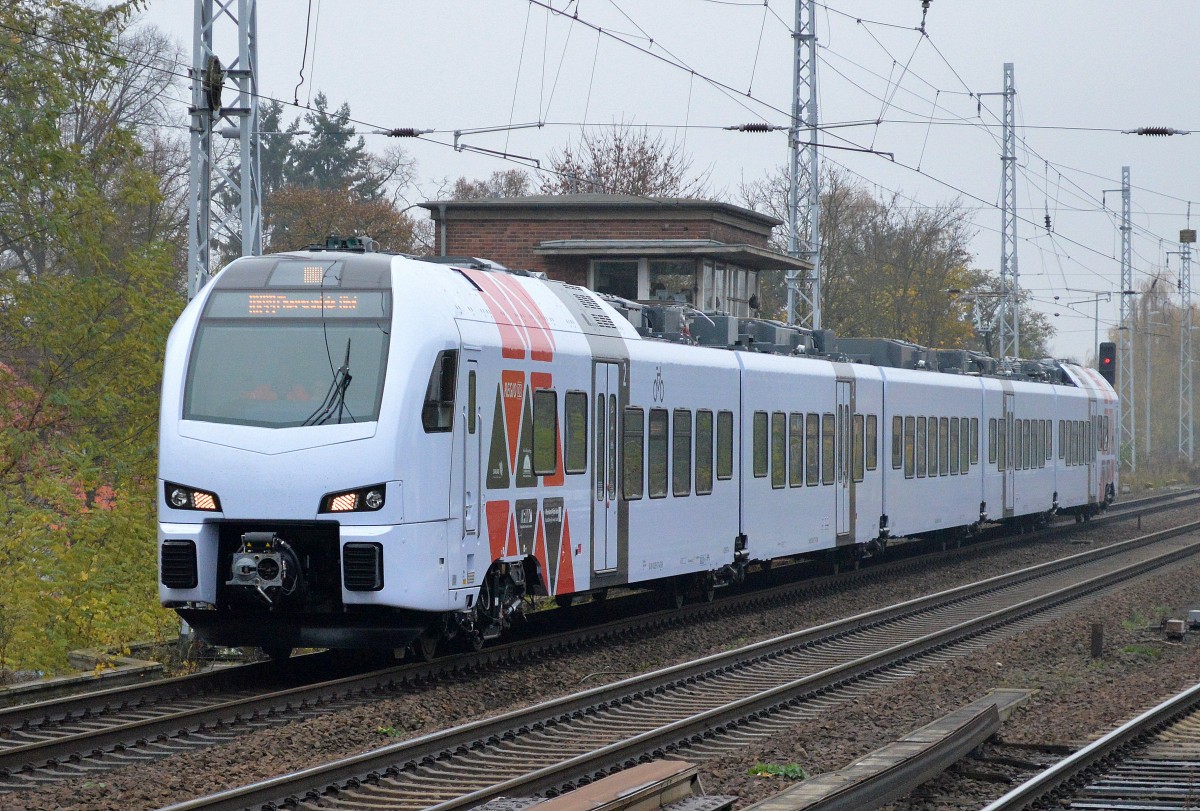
[[564, 600], [279, 654], [425, 646], [675, 595], [708, 589]]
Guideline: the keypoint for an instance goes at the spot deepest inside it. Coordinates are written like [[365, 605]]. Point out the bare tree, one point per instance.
[[509, 183], [623, 160]]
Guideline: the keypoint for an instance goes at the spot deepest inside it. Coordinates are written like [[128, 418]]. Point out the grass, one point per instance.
[[390, 731], [791, 771], [1142, 651]]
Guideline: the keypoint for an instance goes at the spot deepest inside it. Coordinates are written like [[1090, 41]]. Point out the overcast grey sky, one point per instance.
[[1084, 71]]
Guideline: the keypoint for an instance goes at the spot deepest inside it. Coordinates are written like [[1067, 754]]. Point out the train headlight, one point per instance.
[[363, 499], [182, 497]]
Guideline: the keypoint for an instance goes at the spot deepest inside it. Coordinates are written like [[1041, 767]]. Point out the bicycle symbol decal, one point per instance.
[[659, 388]]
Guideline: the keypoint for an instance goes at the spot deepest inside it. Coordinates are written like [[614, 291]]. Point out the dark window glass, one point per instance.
[[704, 452], [933, 446], [681, 453], [1002, 445], [724, 444], [954, 444], [472, 422], [922, 444], [437, 414], [974, 440], [872, 442], [943, 446], [656, 462], [576, 442], [599, 447], [812, 439], [897, 442], [910, 430], [760, 444], [827, 447], [796, 450], [545, 429], [991, 440], [857, 442], [633, 440], [964, 446], [778, 449]]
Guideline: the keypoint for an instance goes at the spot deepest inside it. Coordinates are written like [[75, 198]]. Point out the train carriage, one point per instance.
[[365, 450]]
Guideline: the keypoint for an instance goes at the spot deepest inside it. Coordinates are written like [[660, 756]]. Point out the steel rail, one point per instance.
[[280, 704], [430, 750], [1070, 769]]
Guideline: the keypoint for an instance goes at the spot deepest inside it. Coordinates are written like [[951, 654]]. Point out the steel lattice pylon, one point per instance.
[[804, 216], [1009, 336], [238, 217], [1125, 389], [1186, 445]]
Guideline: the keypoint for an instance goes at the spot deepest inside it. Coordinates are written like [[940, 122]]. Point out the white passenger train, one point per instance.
[[367, 450]]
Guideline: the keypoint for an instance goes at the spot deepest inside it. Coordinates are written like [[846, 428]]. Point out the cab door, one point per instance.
[[606, 382], [471, 450]]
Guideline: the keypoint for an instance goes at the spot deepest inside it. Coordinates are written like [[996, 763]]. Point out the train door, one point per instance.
[[844, 478], [472, 448], [606, 385], [1093, 436], [1010, 483]]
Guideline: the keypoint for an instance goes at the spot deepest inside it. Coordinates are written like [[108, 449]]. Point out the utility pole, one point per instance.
[[1010, 335], [1125, 389], [804, 216], [1186, 444], [239, 182]]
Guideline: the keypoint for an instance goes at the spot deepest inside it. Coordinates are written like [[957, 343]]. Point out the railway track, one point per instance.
[[1152, 762], [86, 734], [712, 706]]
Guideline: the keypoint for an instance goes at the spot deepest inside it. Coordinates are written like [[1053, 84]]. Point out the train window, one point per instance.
[[633, 433], [681, 452], [575, 415], [795, 450], [857, 444], [812, 438], [778, 449], [943, 446], [724, 444], [954, 444], [472, 417], [656, 459], [1088, 448], [760, 444], [1062, 441], [612, 447], [922, 445], [1048, 438], [437, 414], [964, 446], [932, 461], [1038, 453], [872, 442], [545, 432], [1026, 446], [828, 459], [910, 430], [598, 447], [1002, 445], [991, 440], [974, 440], [704, 452], [1018, 444], [897, 440]]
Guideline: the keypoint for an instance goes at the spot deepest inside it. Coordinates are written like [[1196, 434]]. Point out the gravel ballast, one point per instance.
[[1078, 698]]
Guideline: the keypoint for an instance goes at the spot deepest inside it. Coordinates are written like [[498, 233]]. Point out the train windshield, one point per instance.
[[283, 358]]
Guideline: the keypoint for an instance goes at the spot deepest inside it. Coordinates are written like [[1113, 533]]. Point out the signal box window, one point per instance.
[[724, 445], [657, 457], [632, 442], [576, 441], [704, 452], [437, 414]]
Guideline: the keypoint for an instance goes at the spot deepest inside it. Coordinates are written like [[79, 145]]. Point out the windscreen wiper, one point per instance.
[[335, 397]]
